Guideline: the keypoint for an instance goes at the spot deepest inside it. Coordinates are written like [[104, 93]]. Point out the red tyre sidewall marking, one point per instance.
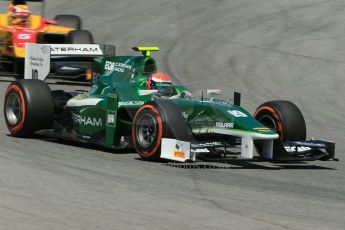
[[20, 124], [275, 116], [160, 130]]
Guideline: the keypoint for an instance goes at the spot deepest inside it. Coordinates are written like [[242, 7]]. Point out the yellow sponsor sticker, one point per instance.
[[262, 129]]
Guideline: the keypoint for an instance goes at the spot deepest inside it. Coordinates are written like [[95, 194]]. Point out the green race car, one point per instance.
[[123, 109]]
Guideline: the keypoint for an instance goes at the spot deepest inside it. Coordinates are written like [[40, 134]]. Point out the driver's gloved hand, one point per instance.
[[185, 94]]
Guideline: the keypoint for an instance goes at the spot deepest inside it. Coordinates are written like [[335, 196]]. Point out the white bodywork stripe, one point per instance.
[[238, 133], [81, 102], [145, 92]]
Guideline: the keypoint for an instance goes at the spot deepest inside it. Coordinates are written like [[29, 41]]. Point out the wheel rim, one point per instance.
[[269, 122], [13, 109], [146, 131]]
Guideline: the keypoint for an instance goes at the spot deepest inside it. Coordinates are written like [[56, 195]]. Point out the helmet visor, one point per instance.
[[164, 89]]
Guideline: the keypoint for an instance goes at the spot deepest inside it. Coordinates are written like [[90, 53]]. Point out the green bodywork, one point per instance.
[[106, 112]]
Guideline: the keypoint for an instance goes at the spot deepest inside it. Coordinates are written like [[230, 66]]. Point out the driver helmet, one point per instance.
[[161, 82], [19, 15]]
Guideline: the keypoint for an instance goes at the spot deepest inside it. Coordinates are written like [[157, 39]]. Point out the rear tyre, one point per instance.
[[28, 107], [154, 121], [79, 37], [70, 21], [284, 118]]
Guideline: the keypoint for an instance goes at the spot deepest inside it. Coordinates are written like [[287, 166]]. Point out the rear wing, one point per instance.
[[38, 56]]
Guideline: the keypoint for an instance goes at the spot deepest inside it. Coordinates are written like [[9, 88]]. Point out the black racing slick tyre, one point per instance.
[[284, 118], [28, 107], [79, 37], [154, 121], [70, 21]]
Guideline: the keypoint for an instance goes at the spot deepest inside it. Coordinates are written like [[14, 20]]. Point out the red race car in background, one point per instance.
[[22, 21]]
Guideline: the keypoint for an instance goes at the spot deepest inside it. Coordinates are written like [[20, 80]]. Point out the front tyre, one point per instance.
[[154, 121], [28, 107], [284, 118]]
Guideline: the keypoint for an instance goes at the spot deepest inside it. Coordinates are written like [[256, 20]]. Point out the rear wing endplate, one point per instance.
[[38, 56]]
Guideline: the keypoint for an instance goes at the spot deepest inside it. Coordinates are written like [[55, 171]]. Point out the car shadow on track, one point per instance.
[[246, 165], [216, 165], [278, 166]]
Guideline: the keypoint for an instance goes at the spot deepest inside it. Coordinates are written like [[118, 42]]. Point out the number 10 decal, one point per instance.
[[237, 113]]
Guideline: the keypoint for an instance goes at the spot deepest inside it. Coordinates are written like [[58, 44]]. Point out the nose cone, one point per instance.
[[244, 124]]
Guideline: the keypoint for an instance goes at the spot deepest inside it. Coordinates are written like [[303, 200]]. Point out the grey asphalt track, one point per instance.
[[267, 50]]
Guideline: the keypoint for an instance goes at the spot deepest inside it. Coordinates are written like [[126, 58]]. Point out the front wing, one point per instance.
[[308, 150]]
